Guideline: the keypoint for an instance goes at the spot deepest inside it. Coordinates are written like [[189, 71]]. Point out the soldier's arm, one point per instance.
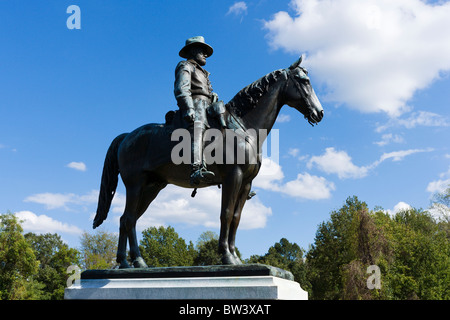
[[182, 90]]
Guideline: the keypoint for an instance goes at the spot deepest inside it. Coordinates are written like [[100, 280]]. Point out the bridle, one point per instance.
[[300, 91]]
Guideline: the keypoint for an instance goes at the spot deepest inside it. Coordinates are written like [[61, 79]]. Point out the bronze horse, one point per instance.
[[143, 158]]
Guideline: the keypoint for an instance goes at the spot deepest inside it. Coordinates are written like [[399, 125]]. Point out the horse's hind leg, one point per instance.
[[139, 202], [123, 235], [127, 223]]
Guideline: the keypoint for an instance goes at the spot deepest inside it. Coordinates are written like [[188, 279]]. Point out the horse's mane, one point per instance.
[[247, 99]]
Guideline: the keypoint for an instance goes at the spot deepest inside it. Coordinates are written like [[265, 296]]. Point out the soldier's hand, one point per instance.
[[189, 117], [215, 97]]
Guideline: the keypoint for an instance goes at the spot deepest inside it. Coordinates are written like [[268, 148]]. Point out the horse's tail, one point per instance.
[[110, 178]]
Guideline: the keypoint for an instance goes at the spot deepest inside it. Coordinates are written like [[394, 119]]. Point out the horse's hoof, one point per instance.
[[227, 259], [139, 263], [230, 259], [124, 265], [238, 261]]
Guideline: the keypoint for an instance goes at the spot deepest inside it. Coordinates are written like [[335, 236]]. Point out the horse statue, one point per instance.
[[143, 158]]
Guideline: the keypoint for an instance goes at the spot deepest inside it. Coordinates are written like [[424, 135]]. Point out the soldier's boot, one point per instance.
[[199, 173]]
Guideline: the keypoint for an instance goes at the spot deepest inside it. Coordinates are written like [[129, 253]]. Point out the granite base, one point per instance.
[[210, 282]]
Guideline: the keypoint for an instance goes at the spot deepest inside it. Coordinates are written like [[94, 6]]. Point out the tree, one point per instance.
[[410, 250], [205, 237], [17, 262], [99, 250], [440, 207], [287, 256], [207, 250], [344, 247], [371, 250], [421, 265], [54, 258], [163, 247], [335, 246]]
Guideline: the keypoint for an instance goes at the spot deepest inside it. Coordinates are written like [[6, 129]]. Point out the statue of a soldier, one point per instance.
[[194, 95]]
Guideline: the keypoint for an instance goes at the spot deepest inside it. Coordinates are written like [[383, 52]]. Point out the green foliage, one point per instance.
[[54, 258], [18, 263], [287, 256], [421, 266], [207, 250], [440, 207], [99, 250], [207, 253], [411, 250], [163, 247], [336, 246]]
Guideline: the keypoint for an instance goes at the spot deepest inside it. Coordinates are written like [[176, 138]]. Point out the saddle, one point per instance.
[[215, 113]]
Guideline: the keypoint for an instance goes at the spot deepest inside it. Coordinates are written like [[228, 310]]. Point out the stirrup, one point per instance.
[[201, 174]]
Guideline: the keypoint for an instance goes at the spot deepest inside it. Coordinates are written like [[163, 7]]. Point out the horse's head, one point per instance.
[[300, 95]]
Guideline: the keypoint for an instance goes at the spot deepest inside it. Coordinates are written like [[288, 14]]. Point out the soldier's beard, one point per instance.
[[201, 61]]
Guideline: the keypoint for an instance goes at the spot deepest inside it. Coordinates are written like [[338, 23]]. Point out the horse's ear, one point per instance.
[[296, 63]]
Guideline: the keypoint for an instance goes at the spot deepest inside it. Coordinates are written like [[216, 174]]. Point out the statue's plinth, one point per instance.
[[252, 281]]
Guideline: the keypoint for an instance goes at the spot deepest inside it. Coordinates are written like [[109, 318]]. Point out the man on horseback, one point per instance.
[[194, 95]]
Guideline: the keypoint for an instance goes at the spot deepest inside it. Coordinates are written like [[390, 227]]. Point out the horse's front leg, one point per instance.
[[241, 199], [230, 191]]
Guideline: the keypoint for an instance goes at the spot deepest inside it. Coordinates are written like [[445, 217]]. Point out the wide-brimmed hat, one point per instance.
[[195, 41]]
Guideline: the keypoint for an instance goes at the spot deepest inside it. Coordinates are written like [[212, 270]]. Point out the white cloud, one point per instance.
[[44, 224], [293, 152], [305, 186], [255, 214], [338, 162], [372, 55], [399, 155], [424, 118], [420, 118], [401, 206], [238, 8], [341, 164], [52, 200], [388, 138], [80, 166], [269, 175], [283, 118], [2, 146], [60, 200], [441, 184], [438, 185], [175, 205], [439, 211]]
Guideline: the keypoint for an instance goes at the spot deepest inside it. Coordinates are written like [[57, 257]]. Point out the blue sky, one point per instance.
[[380, 69]]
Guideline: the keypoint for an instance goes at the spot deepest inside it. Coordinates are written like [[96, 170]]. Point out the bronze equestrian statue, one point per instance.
[[143, 156], [194, 95]]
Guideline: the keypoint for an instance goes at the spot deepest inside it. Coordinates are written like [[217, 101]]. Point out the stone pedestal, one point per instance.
[[254, 281]]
